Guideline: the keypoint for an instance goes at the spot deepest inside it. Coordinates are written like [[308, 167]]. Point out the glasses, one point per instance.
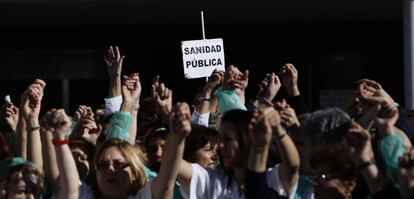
[[320, 179], [117, 165]]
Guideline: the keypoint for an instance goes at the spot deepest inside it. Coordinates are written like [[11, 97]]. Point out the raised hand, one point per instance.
[[269, 87], [369, 116], [131, 91], [10, 115], [162, 96], [86, 127], [45, 123], [289, 118], [260, 130], [240, 84], [91, 130], [180, 125], [234, 79], [386, 119], [372, 92], [289, 76], [273, 116], [358, 141], [31, 100], [59, 121], [281, 105], [215, 79], [113, 60], [100, 113], [81, 112], [287, 114]]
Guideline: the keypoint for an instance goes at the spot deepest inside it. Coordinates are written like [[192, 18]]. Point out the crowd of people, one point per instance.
[[223, 145]]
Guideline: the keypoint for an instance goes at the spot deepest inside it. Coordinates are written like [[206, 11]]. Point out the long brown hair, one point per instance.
[[240, 119]]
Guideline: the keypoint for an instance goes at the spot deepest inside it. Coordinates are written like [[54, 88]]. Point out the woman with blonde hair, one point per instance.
[[126, 176]]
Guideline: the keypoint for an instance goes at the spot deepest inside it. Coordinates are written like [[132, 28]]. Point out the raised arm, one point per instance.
[[31, 109], [359, 144], [48, 151], [261, 135], [86, 126], [231, 93], [113, 60], [391, 144], [237, 80], [134, 113], [21, 134], [180, 128], [260, 132], [261, 126], [213, 82], [68, 174], [9, 115], [289, 75], [289, 167], [268, 88], [371, 93], [162, 96], [206, 103], [288, 118], [131, 91]]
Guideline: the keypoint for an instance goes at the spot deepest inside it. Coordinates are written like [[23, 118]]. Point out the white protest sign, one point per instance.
[[201, 57]]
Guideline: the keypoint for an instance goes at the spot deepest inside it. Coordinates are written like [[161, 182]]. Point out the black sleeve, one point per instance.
[[298, 104], [256, 187], [389, 191]]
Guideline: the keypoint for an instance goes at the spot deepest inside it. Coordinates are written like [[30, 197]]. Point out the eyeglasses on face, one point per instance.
[[116, 164]]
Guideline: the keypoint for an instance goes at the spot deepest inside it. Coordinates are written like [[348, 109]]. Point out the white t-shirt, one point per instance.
[[86, 192], [213, 184]]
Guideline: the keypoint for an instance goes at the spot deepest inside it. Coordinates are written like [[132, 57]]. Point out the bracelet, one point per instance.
[[200, 99], [60, 142], [281, 136], [32, 128], [366, 164], [265, 101]]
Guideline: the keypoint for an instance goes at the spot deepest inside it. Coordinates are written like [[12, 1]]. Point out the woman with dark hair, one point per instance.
[[228, 179], [154, 143], [335, 175], [201, 146]]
